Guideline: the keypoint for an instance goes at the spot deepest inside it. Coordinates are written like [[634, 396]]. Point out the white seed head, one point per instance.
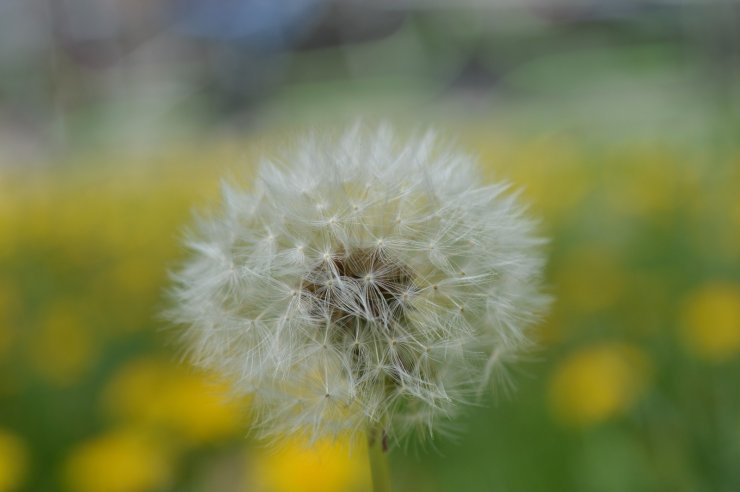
[[361, 283]]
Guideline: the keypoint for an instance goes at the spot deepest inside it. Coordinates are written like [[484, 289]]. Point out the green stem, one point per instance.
[[377, 450]]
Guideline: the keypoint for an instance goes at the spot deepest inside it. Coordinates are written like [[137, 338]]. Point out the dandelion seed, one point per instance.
[[362, 284]]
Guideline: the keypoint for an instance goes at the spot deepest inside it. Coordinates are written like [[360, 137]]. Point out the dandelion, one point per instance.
[[599, 382], [361, 286]]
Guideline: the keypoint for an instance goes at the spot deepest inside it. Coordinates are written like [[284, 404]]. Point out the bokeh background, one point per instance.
[[619, 119]]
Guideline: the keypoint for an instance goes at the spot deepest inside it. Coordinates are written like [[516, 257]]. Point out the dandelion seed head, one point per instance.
[[361, 282]]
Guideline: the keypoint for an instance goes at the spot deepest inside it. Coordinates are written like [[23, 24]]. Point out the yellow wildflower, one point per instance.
[[598, 382], [648, 183], [123, 460], [13, 461], [63, 349], [554, 179], [154, 392], [327, 466], [710, 320]]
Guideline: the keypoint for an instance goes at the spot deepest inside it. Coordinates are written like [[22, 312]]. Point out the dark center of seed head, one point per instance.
[[362, 284]]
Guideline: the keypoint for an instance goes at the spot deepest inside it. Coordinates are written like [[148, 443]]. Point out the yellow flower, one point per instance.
[[710, 321], [327, 466], [63, 349], [154, 392], [646, 183], [128, 289], [122, 460], [11, 190], [551, 175], [599, 382], [13, 461]]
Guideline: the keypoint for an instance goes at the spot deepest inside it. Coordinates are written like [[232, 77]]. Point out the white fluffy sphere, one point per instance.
[[362, 283]]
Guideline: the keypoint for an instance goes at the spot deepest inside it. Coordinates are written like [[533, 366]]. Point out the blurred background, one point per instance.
[[620, 119]]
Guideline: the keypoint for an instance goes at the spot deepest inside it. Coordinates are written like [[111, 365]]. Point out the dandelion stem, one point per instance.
[[377, 450]]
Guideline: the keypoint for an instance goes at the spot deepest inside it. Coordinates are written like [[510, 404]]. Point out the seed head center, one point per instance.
[[360, 284]]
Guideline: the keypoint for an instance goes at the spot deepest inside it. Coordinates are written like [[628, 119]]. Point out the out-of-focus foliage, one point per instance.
[[638, 366]]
